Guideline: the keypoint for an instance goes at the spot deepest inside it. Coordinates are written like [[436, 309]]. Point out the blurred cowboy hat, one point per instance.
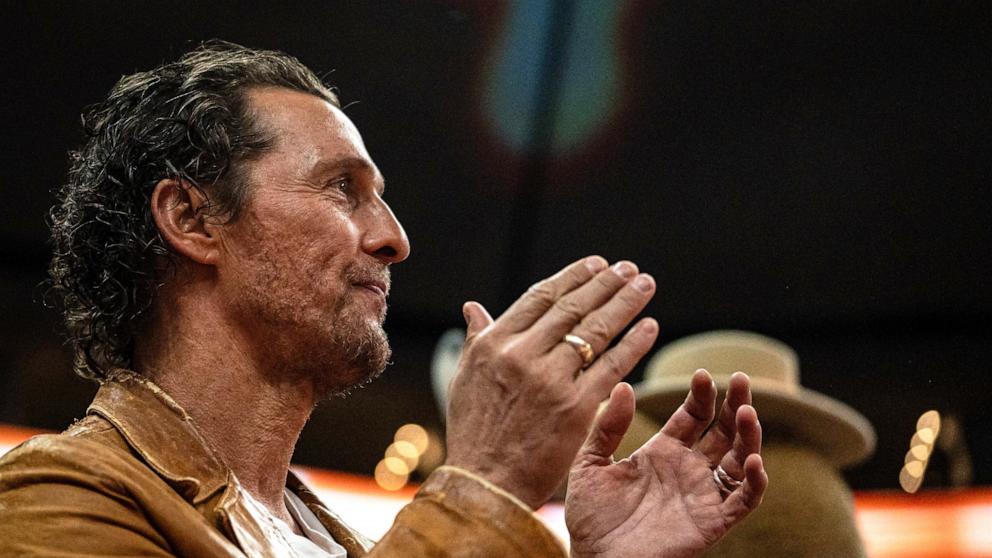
[[785, 408]]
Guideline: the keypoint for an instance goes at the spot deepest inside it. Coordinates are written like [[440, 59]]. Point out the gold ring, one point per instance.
[[582, 347]]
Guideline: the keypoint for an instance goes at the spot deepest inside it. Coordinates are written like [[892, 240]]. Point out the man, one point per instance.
[[223, 252]]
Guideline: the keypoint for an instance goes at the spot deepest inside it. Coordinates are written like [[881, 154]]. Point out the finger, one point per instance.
[[746, 499], [577, 305], [616, 363], [608, 428], [690, 420], [477, 318], [719, 439], [746, 442], [600, 325], [542, 295]]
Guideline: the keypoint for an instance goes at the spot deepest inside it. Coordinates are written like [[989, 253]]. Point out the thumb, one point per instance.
[[476, 318], [609, 427]]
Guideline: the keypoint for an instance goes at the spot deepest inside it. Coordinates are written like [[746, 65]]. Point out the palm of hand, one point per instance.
[[664, 500], [663, 487]]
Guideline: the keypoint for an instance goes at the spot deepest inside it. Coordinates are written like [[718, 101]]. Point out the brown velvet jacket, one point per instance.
[[135, 478]]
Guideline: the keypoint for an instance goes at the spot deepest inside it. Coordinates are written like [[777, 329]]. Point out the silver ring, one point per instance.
[[724, 481]]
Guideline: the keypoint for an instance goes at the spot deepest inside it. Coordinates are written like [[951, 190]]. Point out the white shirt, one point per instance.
[[318, 542]]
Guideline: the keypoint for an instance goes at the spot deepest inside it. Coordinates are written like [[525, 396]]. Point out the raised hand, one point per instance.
[[668, 499], [522, 400]]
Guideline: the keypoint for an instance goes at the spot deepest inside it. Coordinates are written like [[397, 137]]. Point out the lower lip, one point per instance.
[[374, 290]]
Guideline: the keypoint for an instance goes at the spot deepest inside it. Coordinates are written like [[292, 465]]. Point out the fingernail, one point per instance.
[[644, 283], [595, 264], [647, 327], [624, 269]]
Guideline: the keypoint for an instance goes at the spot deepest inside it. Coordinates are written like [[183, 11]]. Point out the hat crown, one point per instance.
[[767, 361]]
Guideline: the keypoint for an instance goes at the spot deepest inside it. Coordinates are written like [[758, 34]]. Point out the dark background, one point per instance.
[[818, 172]]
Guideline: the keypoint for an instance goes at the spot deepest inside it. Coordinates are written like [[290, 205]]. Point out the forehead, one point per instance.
[[306, 127]]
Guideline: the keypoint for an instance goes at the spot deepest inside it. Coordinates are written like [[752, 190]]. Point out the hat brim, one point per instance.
[[839, 432]]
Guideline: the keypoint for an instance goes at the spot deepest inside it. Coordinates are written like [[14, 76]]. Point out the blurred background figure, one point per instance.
[[809, 437], [444, 365]]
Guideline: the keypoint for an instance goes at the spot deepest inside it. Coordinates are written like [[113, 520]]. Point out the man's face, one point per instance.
[[306, 266]]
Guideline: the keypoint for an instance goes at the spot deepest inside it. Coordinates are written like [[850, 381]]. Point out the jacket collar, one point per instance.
[[165, 437], [161, 432]]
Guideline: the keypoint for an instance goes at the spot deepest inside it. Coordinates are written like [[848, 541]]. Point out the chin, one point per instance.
[[357, 360]]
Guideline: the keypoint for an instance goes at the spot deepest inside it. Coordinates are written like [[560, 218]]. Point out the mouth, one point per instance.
[[378, 287], [373, 280]]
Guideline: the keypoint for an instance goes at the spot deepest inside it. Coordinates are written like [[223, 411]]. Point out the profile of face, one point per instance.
[[306, 264]]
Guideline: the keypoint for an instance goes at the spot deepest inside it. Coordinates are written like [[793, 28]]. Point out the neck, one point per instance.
[[250, 418]]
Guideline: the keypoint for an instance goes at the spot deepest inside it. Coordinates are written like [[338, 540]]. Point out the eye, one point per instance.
[[342, 184]]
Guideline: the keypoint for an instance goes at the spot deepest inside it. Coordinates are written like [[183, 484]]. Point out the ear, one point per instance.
[[177, 207]]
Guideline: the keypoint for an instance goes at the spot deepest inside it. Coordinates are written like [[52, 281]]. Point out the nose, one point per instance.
[[384, 238]]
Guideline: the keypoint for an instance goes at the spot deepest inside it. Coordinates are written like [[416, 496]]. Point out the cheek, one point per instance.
[[304, 247], [323, 249], [328, 237]]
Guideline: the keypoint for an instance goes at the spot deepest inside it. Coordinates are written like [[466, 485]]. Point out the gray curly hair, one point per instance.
[[187, 120]]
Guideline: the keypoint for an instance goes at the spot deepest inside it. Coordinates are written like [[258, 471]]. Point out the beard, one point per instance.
[[358, 342], [362, 351], [339, 349]]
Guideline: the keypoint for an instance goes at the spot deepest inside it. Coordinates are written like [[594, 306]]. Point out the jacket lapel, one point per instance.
[[164, 436], [354, 542], [161, 432]]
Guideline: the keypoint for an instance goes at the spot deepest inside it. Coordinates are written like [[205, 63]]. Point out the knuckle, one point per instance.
[[609, 280], [697, 410], [481, 342], [577, 274], [570, 308], [574, 274], [632, 299], [599, 329], [511, 354], [542, 291]]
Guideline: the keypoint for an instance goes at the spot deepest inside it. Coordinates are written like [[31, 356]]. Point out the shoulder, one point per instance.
[[85, 455], [63, 495]]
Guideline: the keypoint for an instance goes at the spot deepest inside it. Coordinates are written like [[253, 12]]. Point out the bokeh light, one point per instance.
[[415, 435], [414, 449], [405, 451], [386, 476], [920, 447]]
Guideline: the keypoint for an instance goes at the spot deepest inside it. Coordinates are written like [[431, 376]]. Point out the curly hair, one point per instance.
[[187, 120]]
